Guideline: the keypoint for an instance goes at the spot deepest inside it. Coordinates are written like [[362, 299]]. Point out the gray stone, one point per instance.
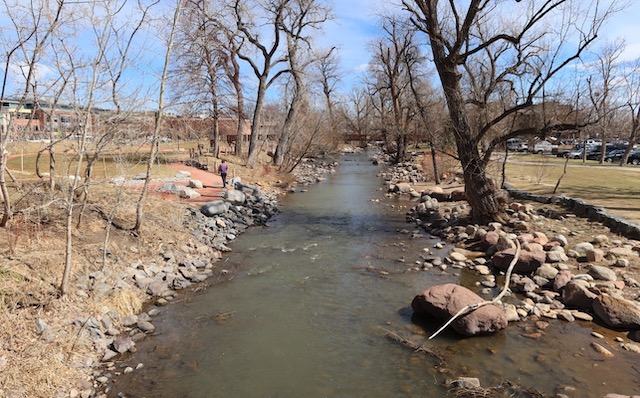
[[483, 269], [129, 320], [235, 197], [188, 193], [157, 288], [214, 208], [169, 187], [122, 343], [196, 184], [546, 271], [556, 256], [146, 327], [511, 312], [108, 355], [622, 252], [43, 330], [456, 256], [621, 263], [600, 239], [561, 239], [602, 273], [582, 248]]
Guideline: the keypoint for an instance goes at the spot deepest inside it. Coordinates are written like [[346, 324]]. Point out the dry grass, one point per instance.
[[30, 364], [32, 262], [447, 166], [613, 187]]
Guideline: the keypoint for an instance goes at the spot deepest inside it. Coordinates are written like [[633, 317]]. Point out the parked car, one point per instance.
[[578, 152], [517, 145], [634, 157], [543, 146], [594, 153], [614, 155]]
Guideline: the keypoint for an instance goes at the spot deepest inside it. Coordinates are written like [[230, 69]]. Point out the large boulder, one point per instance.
[[617, 312], [188, 193], [235, 197], [214, 208], [528, 261], [576, 294], [444, 301]]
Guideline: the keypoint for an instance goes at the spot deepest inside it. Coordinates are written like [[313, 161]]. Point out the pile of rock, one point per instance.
[[312, 171], [556, 278], [405, 173], [220, 221]]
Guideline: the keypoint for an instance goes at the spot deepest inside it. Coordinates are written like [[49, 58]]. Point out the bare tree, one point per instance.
[[33, 31], [199, 77], [602, 85], [262, 54], [632, 88], [158, 118], [330, 76], [391, 83], [300, 18], [232, 69], [504, 64]]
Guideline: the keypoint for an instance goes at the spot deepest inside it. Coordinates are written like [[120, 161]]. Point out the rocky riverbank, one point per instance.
[[571, 266]]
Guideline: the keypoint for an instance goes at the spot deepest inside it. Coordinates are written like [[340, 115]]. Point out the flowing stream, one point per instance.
[[311, 298]]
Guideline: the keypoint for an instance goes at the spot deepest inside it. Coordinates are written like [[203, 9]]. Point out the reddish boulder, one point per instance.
[[617, 312], [444, 301], [576, 294], [491, 238], [527, 262]]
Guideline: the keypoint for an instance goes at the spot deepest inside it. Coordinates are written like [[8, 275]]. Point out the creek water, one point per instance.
[[311, 298]]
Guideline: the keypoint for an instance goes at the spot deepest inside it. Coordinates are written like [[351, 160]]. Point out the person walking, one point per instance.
[[222, 169]]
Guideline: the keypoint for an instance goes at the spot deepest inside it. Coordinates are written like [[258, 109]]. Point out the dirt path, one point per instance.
[[212, 185]]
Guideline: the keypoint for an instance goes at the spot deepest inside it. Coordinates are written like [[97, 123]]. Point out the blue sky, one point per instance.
[[355, 27]]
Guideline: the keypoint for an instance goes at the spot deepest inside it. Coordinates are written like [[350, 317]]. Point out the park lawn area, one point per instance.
[[611, 186], [125, 162]]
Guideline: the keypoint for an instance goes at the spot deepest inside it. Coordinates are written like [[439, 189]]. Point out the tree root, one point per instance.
[[505, 389]]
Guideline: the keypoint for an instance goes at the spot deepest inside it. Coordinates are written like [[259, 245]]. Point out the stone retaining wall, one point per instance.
[[581, 208]]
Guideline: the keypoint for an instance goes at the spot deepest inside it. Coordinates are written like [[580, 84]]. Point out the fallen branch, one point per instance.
[[472, 307], [415, 347]]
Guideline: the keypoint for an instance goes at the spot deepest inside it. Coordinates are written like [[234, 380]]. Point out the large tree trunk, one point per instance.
[[252, 158], [241, 121], [479, 188]]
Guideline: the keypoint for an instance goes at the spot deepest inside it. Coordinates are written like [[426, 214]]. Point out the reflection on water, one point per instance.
[[306, 316]]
